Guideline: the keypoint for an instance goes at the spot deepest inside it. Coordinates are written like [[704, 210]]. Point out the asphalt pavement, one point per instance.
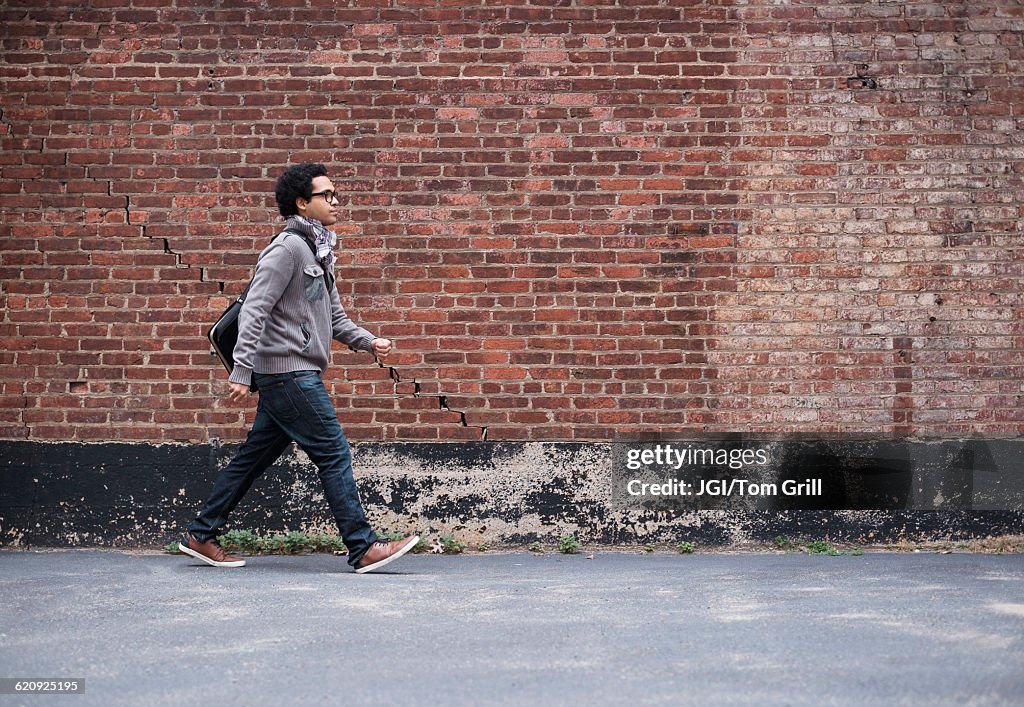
[[517, 629]]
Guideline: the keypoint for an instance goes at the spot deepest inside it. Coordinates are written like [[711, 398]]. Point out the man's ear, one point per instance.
[[301, 205]]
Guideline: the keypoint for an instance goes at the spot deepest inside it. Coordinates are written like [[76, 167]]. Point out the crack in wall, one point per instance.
[[442, 400], [177, 259], [393, 373], [142, 229]]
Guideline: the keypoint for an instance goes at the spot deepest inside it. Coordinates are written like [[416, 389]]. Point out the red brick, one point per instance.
[[631, 207]]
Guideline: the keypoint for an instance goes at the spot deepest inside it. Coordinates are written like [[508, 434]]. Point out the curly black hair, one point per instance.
[[296, 182]]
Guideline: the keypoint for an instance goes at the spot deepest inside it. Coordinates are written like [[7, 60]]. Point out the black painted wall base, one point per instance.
[[114, 494]]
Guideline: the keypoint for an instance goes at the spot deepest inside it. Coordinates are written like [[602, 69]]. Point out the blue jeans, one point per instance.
[[292, 407]]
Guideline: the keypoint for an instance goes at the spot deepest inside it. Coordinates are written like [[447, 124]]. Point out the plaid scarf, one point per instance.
[[324, 239]]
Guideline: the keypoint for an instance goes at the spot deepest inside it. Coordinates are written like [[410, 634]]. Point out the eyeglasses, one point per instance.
[[329, 195]]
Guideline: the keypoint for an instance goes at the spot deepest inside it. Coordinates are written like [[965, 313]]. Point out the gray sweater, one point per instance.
[[289, 317]]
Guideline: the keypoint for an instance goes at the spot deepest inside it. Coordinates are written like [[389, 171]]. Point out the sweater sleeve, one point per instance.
[[273, 273], [345, 330]]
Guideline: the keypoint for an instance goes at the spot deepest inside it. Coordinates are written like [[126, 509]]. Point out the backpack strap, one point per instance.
[[312, 246], [312, 249]]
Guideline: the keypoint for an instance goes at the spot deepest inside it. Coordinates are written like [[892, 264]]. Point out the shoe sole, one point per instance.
[[199, 556], [377, 565]]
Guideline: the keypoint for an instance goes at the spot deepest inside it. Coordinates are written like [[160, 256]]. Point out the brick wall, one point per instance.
[[575, 219]]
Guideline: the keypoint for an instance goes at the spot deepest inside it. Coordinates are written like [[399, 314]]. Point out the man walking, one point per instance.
[[285, 328]]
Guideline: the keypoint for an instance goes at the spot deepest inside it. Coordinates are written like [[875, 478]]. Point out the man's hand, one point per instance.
[[238, 393], [381, 348]]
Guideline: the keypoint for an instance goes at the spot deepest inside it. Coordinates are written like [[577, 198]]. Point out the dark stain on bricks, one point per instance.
[[860, 83], [73, 494]]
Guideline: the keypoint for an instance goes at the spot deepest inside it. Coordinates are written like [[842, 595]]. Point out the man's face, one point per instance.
[[319, 208]]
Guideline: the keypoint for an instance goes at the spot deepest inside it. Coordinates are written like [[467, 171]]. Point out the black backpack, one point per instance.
[[224, 333]]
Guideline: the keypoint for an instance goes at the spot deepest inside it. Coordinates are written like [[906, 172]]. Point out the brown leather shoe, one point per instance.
[[209, 552], [381, 553]]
